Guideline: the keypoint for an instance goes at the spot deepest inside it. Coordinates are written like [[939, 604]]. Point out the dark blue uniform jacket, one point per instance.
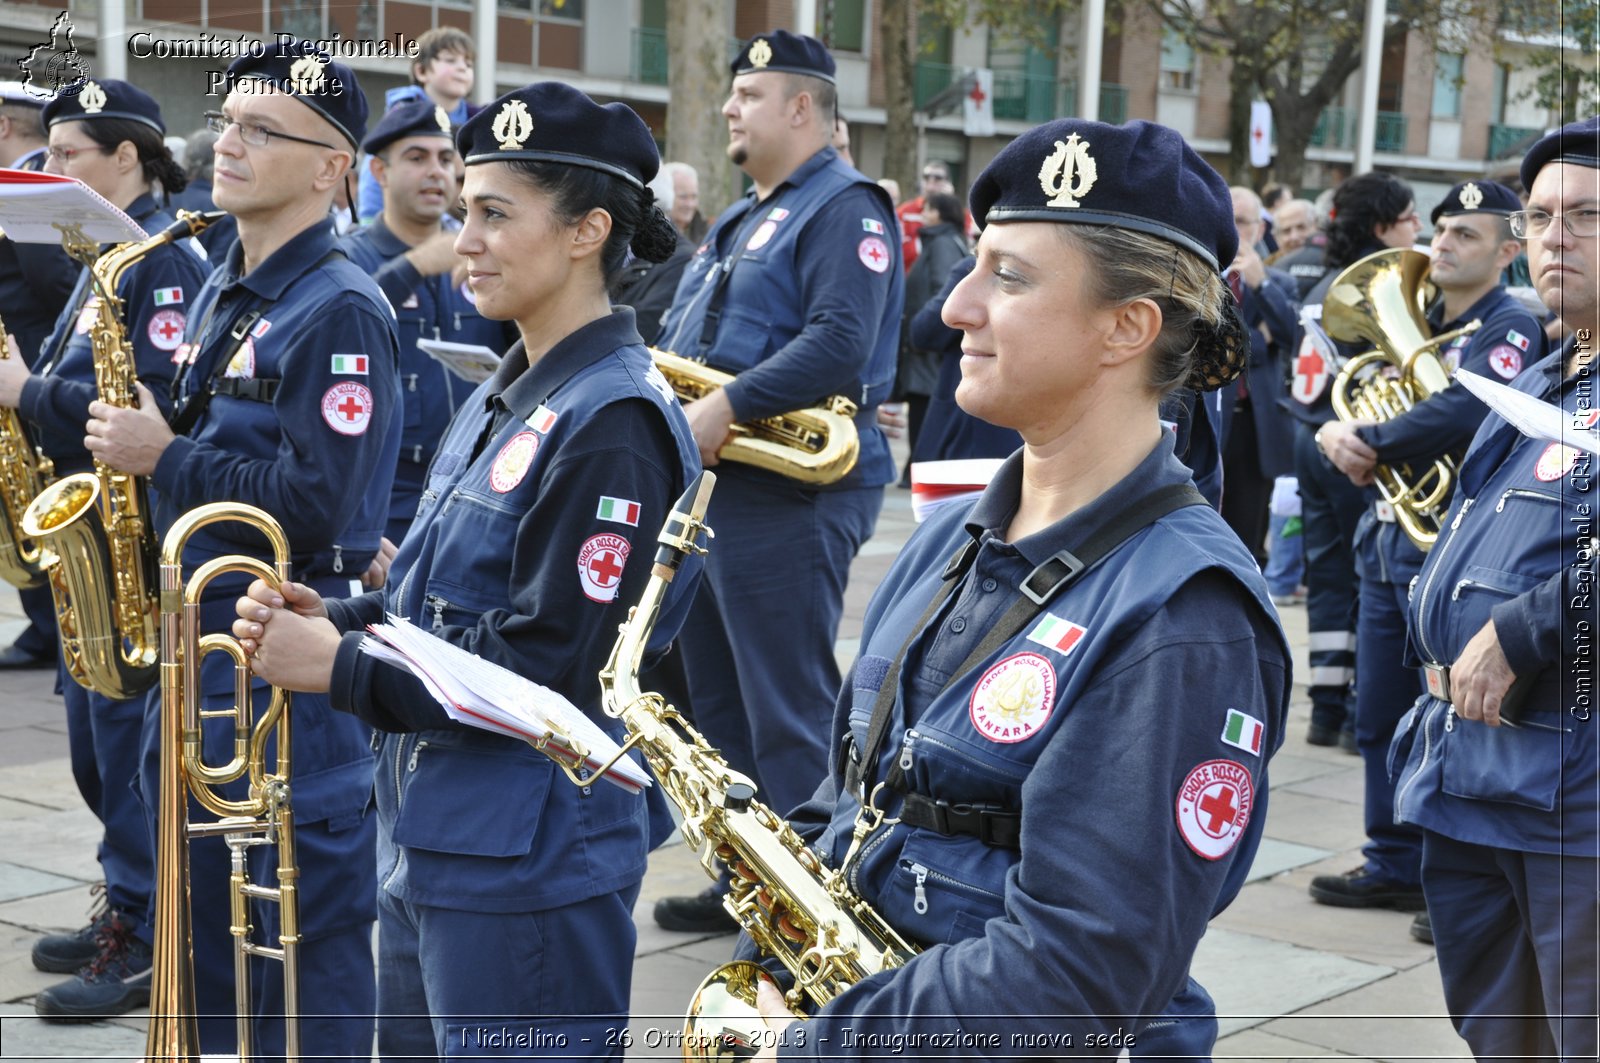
[[1103, 723]]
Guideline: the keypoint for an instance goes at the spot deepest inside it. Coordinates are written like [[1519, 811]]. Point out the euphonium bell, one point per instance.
[[24, 472], [1378, 300]]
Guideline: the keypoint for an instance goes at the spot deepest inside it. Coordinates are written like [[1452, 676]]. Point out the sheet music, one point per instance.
[[482, 694], [935, 484], [32, 203], [471, 362], [1532, 417]]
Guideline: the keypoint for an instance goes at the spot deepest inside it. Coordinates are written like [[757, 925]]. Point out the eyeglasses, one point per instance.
[[935, 175], [257, 136], [68, 154], [1531, 224]]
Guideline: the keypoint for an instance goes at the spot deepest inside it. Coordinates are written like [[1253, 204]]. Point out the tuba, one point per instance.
[[24, 472], [793, 907], [263, 817], [816, 445], [1379, 300], [95, 524]]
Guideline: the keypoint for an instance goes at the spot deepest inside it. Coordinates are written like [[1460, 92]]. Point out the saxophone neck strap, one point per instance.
[[1046, 581]]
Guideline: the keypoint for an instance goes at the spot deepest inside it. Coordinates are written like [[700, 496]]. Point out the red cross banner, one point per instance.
[[977, 110], [1260, 133]]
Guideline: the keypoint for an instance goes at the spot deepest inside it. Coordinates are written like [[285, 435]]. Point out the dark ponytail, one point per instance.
[[154, 157], [636, 222]]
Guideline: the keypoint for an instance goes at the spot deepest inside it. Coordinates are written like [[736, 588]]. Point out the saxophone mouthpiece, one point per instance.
[[680, 535]]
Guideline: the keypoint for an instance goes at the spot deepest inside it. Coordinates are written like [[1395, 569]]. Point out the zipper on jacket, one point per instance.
[[905, 750], [920, 901], [438, 605], [1427, 584], [338, 559], [416, 751], [1521, 492], [1427, 751]]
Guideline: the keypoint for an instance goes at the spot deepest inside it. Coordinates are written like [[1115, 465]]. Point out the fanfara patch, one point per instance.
[[1471, 196], [1214, 807], [1310, 373], [92, 98], [763, 233], [166, 329], [347, 407], [760, 53], [86, 316], [1068, 173], [512, 125], [874, 254], [242, 366], [1014, 698], [513, 461], [1555, 462], [600, 563], [1506, 361]]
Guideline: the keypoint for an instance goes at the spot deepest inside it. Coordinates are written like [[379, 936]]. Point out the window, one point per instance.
[[1447, 85], [569, 10], [1177, 62], [845, 25]]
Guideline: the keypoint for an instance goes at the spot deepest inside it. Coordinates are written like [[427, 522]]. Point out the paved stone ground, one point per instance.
[[1292, 980]]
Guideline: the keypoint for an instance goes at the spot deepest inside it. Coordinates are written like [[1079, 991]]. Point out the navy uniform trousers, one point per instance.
[[1330, 507]]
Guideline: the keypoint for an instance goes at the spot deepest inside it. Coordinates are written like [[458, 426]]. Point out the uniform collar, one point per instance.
[[142, 207], [303, 253], [1479, 310], [803, 172], [384, 241], [521, 390], [998, 503]]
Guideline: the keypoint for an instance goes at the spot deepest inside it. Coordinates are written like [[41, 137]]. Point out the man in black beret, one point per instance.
[[1472, 245], [407, 250], [1504, 618], [797, 291], [287, 395], [35, 282]]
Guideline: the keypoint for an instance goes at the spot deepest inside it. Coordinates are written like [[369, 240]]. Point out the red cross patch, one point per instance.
[[513, 461], [347, 408], [600, 563], [1213, 807], [1310, 373], [166, 329], [1506, 361], [873, 253]]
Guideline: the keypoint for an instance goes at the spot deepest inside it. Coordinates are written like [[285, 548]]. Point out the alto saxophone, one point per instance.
[[102, 567], [793, 906], [24, 472], [816, 445]]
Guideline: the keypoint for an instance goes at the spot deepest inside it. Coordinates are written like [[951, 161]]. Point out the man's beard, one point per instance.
[[739, 155]]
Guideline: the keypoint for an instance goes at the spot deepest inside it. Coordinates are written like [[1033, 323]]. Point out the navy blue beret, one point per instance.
[[411, 118], [1476, 197], [1139, 176], [304, 71], [553, 122], [786, 52], [1576, 142], [105, 99]]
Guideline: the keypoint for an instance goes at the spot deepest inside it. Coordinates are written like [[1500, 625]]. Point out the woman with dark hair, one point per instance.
[[1052, 747], [109, 136], [1370, 212], [504, 891]]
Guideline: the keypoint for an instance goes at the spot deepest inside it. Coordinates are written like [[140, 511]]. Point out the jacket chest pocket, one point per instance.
[[471, 802], [1474, 596]]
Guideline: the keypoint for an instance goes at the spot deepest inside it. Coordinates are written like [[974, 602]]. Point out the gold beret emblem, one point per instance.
[[1068, 172], [442, 118], [1471, 196], [308, 74], [512, 125], [92, 98], [760, 53]]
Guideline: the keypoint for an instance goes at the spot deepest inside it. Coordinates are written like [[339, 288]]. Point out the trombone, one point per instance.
[[263, 817]]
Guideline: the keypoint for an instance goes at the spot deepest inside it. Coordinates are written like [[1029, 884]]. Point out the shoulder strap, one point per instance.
[[1042, 584]]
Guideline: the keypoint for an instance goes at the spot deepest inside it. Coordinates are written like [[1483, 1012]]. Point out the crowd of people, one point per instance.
[[1099, 632]]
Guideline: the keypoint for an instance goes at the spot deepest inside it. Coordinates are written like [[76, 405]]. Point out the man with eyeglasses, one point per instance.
[[287, 395], [935, 181], [1501, 763], [1472, 244]]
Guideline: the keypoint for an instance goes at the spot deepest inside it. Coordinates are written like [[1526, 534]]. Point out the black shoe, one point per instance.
[[114, 983], [65, 953], [1347, 742], [1362, 889], [1422, 928], [13, 658], [1319, 735], [701, 914]]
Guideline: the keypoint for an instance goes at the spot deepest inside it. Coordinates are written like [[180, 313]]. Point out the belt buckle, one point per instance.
[[1438, 678], [1383, 511]]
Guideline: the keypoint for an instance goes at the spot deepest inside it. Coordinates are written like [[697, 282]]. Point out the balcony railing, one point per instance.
[[1505, 140], [1024, 97], [1336, 128], [1113, 101], [1390, 134], [1332, 129], [929, 79], [649, 56]]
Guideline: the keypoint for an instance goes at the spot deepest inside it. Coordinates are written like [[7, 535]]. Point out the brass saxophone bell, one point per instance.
[[723, 1022]]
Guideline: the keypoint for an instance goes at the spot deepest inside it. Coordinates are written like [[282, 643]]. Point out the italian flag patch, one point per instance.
[[542, 419], [169, 296], [1243, 731], [1058, 634], [620, 510], [350, 364]]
